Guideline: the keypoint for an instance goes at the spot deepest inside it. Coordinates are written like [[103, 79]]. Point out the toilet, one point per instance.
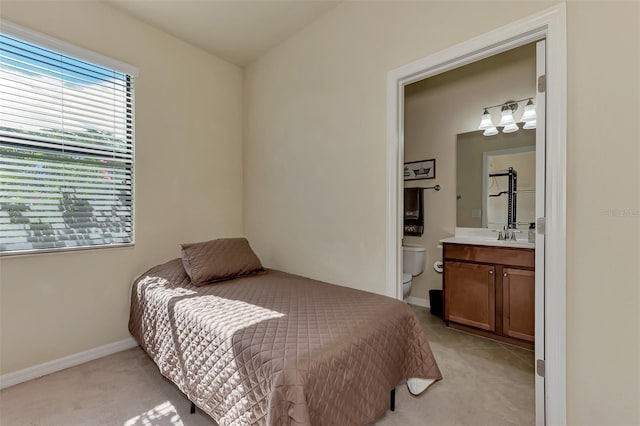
[[406, 284], [413, 261]]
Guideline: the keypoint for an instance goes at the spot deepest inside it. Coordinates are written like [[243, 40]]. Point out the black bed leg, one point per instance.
[[392, 400], [193, 408]]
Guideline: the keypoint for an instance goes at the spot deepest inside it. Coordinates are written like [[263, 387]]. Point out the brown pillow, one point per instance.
[[218, 260]]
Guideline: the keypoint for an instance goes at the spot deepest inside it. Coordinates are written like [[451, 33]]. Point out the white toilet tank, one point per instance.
[[413, 259]]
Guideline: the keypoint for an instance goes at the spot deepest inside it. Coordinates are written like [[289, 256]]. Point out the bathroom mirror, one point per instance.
[[495, 179]]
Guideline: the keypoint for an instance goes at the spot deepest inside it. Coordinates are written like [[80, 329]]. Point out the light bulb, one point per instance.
[[507, 118], [510, 128], [490, 131], [485, 121], [529, 112]]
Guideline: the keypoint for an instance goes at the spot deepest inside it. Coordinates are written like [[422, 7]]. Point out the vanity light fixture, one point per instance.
[[506, 118], [486, 124], [490, 132], [510, 128], [507, 122], [529, 115]]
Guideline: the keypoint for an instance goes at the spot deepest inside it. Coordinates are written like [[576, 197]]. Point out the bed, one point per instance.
[[279, 349]]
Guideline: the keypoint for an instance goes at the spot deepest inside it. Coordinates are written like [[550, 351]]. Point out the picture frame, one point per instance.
[[416, 170]]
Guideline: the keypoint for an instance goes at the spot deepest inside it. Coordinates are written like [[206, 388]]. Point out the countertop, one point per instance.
[[488, 242], [484, 237]]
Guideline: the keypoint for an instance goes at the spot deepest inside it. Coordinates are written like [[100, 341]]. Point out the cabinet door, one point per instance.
[[518, 303], [470, 294]]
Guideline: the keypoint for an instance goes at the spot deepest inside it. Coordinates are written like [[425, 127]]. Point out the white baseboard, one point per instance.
[[49, 367], [418, 301]]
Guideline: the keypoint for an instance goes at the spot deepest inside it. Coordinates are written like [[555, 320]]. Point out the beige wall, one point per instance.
[[436, 111], [315, 182], [188, 184], [314, 166], [603, 214]]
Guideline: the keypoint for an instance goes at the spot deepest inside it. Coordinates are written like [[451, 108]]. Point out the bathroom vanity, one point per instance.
[[489, 283], [489, 289]]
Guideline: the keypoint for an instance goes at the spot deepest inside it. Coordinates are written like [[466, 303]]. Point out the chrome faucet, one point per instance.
[[508, 233]]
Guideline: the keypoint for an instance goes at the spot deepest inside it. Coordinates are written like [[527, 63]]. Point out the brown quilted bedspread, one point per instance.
[[278, 349]]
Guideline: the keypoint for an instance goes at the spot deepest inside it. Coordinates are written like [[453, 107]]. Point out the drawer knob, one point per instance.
[[506, 275], [490, 272]]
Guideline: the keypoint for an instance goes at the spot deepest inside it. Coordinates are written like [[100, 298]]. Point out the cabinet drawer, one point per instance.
[[521, 257]]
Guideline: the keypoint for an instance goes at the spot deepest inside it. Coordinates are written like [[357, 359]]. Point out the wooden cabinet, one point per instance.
[[518, 295], [471, 290], [490, 291]]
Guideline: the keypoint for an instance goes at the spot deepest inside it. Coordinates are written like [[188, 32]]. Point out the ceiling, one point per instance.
[[238, 31]]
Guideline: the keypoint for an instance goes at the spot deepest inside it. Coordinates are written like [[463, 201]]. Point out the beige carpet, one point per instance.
[[485, 383]]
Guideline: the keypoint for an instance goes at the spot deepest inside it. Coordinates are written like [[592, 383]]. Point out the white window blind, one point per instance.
[[66, 151]]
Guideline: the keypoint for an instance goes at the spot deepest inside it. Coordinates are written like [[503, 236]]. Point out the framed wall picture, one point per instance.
[[425, 169]]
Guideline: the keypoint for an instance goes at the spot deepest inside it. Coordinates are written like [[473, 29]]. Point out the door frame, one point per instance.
[[550, 25]]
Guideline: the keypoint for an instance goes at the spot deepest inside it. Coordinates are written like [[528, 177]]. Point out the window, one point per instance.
[[66, 147]]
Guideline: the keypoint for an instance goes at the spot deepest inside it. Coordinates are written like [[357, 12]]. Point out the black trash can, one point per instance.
[[435, 301]]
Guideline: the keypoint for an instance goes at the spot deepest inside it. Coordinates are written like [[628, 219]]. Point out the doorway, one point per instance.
[[549, 25]]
